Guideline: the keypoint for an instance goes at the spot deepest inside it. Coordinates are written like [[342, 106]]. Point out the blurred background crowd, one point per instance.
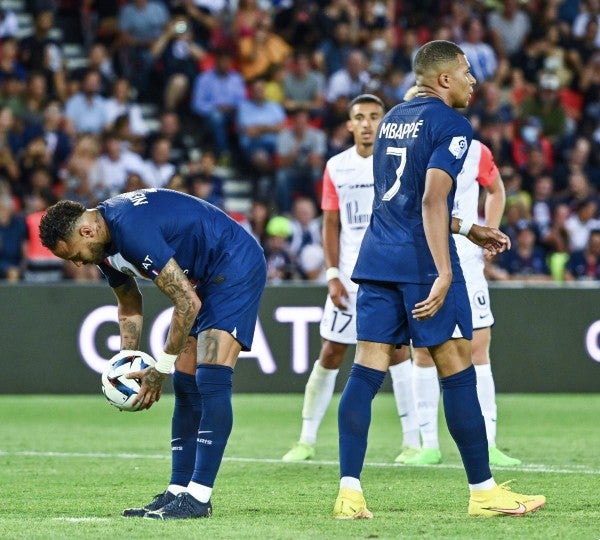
[[241, 103]]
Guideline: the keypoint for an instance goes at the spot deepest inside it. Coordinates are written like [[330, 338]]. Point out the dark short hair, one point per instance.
[[59, 222], [365, 98], [435, 53]]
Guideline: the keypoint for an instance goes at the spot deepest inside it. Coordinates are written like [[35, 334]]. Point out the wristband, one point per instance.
[[465, 227], [332, 273], [165, 362]]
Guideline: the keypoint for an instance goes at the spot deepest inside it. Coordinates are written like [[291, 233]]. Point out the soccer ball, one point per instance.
[[116, 387]]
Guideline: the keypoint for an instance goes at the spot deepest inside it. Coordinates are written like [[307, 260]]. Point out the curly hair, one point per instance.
[[59, 221]]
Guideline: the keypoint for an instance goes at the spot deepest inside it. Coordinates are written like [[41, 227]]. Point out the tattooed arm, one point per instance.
[[176, 286], [130, 310]]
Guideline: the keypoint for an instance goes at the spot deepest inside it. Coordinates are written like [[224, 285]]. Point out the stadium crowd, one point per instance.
[[260, 89]]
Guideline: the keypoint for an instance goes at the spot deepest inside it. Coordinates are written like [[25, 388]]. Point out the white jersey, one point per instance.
[[479, 170], [348, 188]]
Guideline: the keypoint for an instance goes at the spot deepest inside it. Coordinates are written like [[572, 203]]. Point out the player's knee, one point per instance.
[[332, 354]]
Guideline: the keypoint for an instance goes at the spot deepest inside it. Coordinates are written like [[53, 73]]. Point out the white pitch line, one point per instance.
[[81, 519], [532, 467]]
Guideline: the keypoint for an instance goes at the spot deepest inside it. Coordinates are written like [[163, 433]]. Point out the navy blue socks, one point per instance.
[[354, 417], [214, 385], [184, 427], [466, 424]]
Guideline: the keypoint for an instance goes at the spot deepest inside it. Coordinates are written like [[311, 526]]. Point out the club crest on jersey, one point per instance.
[[458, 146]]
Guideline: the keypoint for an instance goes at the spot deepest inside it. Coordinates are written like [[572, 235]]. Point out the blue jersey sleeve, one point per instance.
[[451, 143]]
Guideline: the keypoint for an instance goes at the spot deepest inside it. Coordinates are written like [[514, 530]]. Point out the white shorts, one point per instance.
[[479, 298], [337, 325]]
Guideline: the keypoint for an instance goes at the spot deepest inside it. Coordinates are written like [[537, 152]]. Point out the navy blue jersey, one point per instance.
[[150, 226], [421, 134]]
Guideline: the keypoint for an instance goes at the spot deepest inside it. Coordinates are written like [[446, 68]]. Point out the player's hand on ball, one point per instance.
[[151, 388]]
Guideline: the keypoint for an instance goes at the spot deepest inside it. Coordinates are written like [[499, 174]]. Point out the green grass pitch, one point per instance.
[[70, 464]]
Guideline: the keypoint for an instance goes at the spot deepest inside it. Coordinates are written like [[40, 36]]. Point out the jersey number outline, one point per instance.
[[401, 153], [343, 325]]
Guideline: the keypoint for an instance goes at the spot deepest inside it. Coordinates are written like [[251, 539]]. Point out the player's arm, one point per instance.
[[493, 240], [176, 286], [130, 312], [331, 250], [436, 223], [495, 201]]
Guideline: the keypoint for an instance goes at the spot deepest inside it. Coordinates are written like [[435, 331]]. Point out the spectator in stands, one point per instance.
[[303, 87], [481, 55], [300, 158], [10, 64], [585, 264], [42, 53], [36, 169], [203, 16], [13, 238], [543, 204], [141, 22], [528, 133], [11, 144], [41, 265], [258, 52], [87, 109], [52, 130], [9, 24], [297, 24], [580, 189], [349, 81], [578, 159], [332, 54], [509, 27], [545, 105], [246, 18], [311, 264], [525, 260], [258, 217], [581, 222], [279, 262], [158, 168], [588, 10], [216, 96], [535, 166], [98, 60], [305, 226], [170, 128], [35, 98], [114, 165], [178, 182], [120, 103], [82, 172], [259, 121], [177, 57]]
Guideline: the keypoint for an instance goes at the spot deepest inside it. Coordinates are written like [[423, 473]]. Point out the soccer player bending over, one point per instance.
[[214, 273], [411, 286]]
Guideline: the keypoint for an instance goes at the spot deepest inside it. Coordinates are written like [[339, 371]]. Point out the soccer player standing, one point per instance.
[[410, 282], [214, 273], [347, 204], [479, 170]]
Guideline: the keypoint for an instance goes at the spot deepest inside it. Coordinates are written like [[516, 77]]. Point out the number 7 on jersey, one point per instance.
[[401, 153]]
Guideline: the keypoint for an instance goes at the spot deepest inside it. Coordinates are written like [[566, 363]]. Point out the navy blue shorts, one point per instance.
[[384, 314], [233, 306]]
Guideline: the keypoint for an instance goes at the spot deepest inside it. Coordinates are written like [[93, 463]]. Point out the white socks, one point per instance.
[[317, 396], [405, 403], [199, 492], [486, 392], [176, 489], [350, 482], [426, 389]]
